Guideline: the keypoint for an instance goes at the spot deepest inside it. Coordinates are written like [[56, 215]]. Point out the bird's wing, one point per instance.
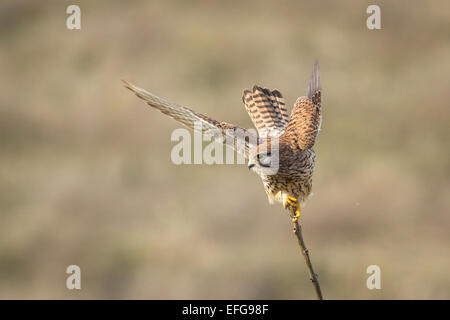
[[238, 138], [267, 110], [306, 116]]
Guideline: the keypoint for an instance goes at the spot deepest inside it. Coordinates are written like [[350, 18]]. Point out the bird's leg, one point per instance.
[[293, 206]]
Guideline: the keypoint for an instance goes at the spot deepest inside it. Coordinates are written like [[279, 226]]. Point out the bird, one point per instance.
[[281, 152]]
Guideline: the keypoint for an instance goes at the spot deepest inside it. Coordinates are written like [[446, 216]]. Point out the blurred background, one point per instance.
[[86, 176]]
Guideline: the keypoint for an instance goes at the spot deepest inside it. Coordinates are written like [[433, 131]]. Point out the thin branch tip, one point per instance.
[[314, 277]]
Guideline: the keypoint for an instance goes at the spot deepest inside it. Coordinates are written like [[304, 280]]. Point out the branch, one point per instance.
[[305, 252]]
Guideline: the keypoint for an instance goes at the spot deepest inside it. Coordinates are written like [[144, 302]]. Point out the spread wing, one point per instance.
[[267, 110], [238, 138], [306, 116]]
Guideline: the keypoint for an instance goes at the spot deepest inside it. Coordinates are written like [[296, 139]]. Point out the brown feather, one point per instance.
[[239, 136], [267, 110], [306, 116]]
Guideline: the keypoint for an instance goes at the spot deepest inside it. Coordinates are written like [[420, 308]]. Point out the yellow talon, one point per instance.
[[298, 212], [293, 203]]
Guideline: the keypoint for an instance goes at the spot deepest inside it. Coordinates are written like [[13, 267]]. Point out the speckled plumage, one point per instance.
[[295, 135], [295, 141]]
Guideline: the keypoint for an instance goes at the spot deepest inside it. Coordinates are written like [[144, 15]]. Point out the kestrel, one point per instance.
[[282, 139]]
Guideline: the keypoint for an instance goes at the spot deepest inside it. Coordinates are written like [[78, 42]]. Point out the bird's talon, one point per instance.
[[294, 208], [297, 212], [291, 201]]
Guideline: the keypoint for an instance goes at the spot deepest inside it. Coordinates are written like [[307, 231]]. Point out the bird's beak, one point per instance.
[[250, 165]]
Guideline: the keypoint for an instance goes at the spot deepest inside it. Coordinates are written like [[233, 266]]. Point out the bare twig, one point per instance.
[[305, 252]]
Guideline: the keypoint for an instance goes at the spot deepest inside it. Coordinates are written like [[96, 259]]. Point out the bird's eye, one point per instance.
[[264, 159], [262, 155]]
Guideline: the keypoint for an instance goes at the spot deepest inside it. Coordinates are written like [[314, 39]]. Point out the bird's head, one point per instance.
[[264, 159]]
